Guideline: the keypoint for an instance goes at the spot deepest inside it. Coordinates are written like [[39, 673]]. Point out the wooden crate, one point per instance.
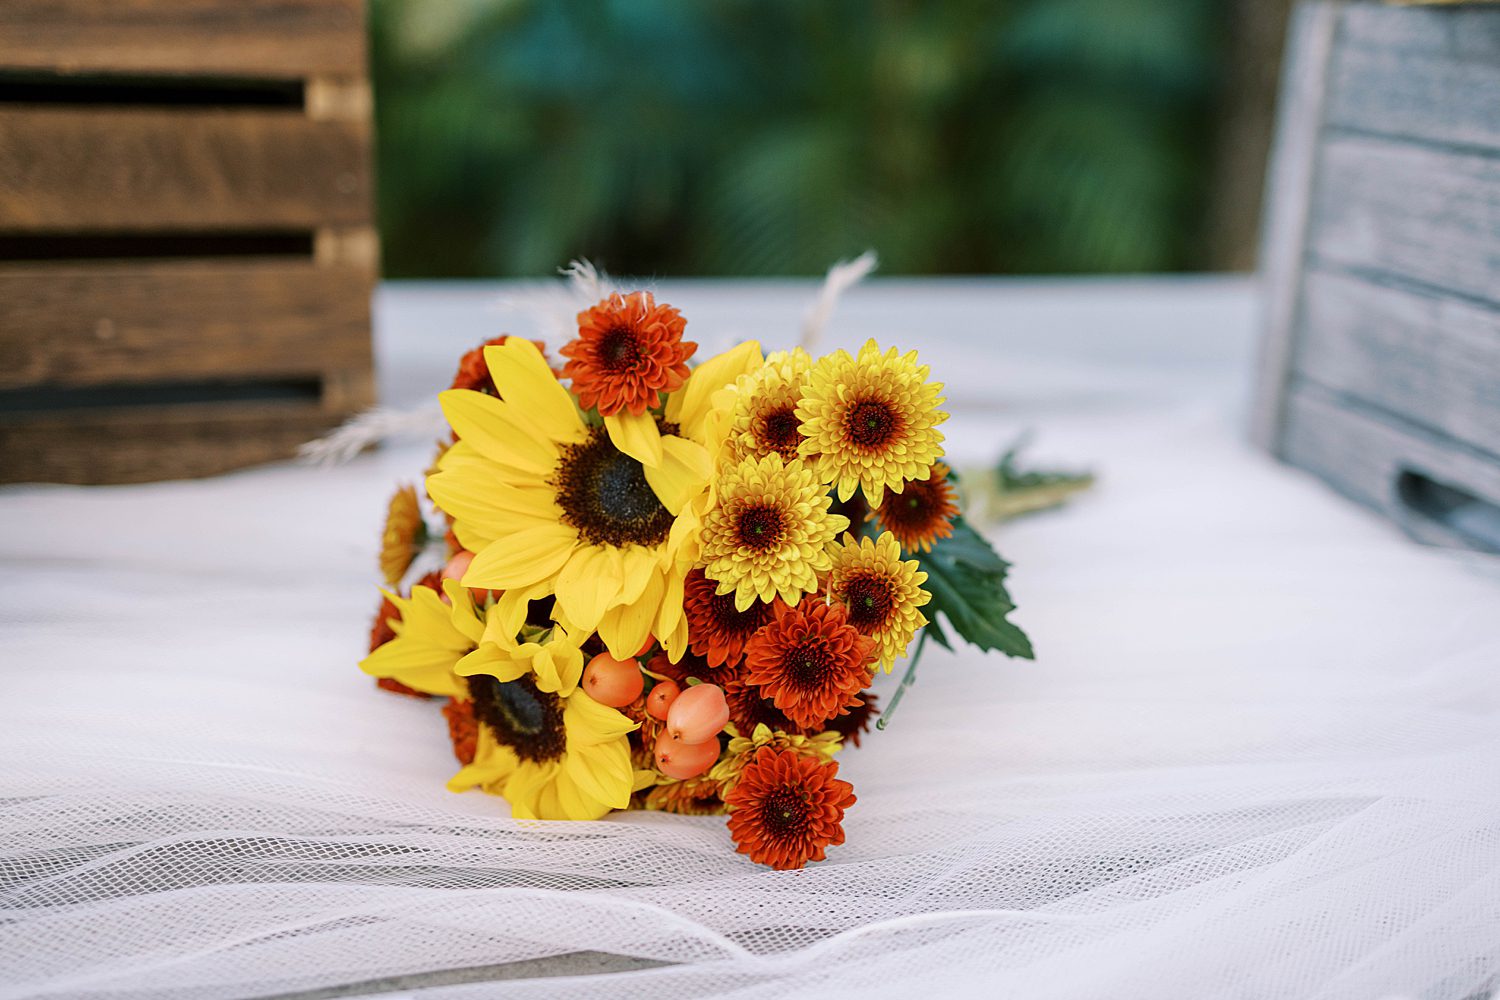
[[1381, 369], [186, 243]]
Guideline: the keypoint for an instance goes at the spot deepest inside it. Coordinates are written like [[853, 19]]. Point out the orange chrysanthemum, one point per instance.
[[628, 351], [463, 729], [643, 740], [810, 662], [700, 796], [922, 512], [857, 722], [404, 535], [788, 808], [717, 631], [474, 373], [749, 707]]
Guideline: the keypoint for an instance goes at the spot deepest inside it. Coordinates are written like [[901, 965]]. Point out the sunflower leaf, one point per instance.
[[966, 579]]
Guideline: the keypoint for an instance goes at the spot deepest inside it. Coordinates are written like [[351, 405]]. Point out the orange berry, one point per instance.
[[647, 647], [613, 682], [659, 701], [698, 713], [680, 760], [458, 565]]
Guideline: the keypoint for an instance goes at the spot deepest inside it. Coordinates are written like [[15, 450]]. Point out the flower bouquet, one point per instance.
[[669, 587]]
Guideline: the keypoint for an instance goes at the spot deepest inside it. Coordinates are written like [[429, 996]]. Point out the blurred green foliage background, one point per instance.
[[756, 137]]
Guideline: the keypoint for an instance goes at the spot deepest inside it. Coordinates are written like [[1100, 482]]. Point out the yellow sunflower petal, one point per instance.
[[626, 627], [688, 406], [681, 474], [529, 556], [588, 582], [497, 431], [636, 436], [524, 380], [491, 661]]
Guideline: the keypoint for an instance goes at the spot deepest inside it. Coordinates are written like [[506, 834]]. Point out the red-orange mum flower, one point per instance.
[[857, 722], [628, 350], [463, 730], [787, 808], [716, 631], [749, 707], [922, 512], [474, 373], [810, 662]]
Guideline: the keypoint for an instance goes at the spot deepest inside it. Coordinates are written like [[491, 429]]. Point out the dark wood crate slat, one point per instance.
[[138, 445], [72, 169], [1434, 360], [1363, 456], [121, 323], [1425, 215], [1415, 82], [251, 38]]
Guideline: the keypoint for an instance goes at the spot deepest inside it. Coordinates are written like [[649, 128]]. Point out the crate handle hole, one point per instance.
[[1473, 519]]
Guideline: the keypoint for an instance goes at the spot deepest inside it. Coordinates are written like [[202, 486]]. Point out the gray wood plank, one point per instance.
[[1426, 215], [1468, 31], [1363, 456], [1289, 185], [1434, 360], [1415, 83]]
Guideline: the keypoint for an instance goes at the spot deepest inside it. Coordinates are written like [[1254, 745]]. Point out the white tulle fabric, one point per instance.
[[1259, 755]]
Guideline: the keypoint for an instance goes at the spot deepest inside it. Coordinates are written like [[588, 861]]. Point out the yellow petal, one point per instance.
[[491, 661], [637, 437], [529, 556], [689, 405], [588, 583], [497, 431], [604, 785], [681, 474], [524, 380], [626, 627]]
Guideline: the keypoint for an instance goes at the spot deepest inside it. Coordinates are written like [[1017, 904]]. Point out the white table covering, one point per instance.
[[1258, 756]]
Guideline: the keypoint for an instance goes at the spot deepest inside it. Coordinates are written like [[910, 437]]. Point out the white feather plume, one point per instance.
[[841, 277]]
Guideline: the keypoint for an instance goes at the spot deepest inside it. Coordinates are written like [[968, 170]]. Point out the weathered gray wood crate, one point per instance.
[[1381, 256]]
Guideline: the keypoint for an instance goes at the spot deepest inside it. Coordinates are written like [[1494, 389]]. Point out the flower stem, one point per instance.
[[906, 679]]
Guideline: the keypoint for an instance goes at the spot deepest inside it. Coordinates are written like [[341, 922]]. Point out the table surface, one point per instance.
[[1283, 710]]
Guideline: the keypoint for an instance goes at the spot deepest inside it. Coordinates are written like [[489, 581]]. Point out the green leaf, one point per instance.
[[966, 579]]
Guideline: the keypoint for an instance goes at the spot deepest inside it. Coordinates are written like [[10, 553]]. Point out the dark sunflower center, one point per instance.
[[780, 431], [527, 720], [783, 812], [618, 350], [603, 494], [869, 600], [760, 527], [808, 664], [871, 423]]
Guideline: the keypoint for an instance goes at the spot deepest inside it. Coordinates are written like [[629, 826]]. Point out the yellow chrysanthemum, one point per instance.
[[769, 534], [431, 637], [404, 534], [870, 422], [764, 419], [551, 756], [551, 504], [742, 748], [881, 592]]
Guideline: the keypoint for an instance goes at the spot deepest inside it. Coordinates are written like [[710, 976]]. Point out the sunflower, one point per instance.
[[698, 796], [742, 748], [870, 421], [551, 505], [764, 418], [880, 592], [628, 351], [768, 535], [923, 513], [717, 630], [405, 534], [431, 637], [553, 652], [787, 808], [810, 662], [551, 756], [474, 374]]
